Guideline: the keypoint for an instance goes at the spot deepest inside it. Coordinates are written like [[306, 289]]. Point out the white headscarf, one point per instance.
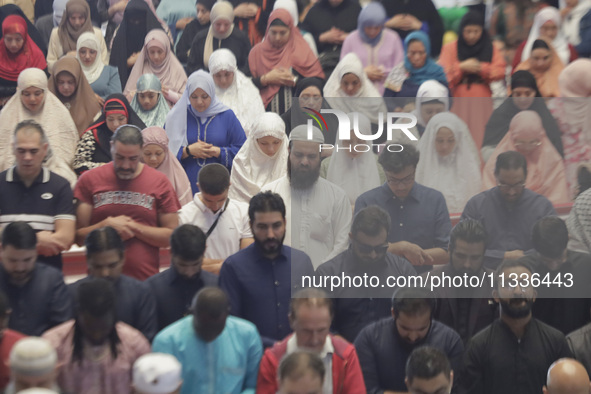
[[428, 91], [291, 7], [571, 23], [94, 71], [367, 101], [176, 120], [242, 96], [252, 168], [456, 175], [59, 6], [354, 175], [559, 44]]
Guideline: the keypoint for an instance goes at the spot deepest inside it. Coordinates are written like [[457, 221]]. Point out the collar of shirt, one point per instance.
[[12, 176], [327, 350], [415, 193], [202, 207], [284, 255], [175, 277], [528, 327]]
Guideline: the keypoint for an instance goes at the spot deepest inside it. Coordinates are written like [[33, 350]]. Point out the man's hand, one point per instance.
[[123, 225], [48, 245], [412, 252], [514, 254]]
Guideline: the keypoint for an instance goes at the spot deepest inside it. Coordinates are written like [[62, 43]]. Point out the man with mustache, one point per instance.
[[321, 211], [383, 347], [259, 279], [513, 354], [136, 200]]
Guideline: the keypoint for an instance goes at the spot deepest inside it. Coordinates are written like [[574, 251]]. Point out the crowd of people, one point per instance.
[[254, 139]]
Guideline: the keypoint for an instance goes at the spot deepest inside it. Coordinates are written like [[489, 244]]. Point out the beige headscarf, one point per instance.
[[52, 115], [67, 34], [220, 10]]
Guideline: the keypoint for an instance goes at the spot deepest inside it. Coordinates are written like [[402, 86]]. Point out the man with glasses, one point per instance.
[[513, 354], [355, 308], [508, 211], [420, 225]]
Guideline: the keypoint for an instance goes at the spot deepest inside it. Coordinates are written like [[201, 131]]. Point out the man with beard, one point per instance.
[[321, 211], [513, 354], [564, 308], [420, 226], [135, 199], [176, 287], [508, 211], [310, 316], [95, 352], [36, 293], [260, 278], [466, 309], [355, 308], [105, 257], [219, 353], [384, 346]]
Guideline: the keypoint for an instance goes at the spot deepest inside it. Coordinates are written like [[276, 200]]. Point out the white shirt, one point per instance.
[[322, 218], [325, 355], [233, 226]]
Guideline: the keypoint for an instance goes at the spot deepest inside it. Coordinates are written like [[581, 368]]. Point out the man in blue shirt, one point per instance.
[[420, 220], [259, 279], [219, 353], [356, 307], [508, 211], [176, 287], [38, 296], [105, 256]]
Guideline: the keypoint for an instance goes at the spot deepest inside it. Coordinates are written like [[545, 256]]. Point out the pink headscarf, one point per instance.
[[296, 54], [545, 169], [170, 166], [170, 73], [575, 81]]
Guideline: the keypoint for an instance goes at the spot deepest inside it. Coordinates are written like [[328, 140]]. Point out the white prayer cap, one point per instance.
[[157, 373], [37, 390], [33, 356], [300, 133]]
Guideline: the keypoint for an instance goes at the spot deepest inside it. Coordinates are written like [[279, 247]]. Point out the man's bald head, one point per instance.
[[567, 376]]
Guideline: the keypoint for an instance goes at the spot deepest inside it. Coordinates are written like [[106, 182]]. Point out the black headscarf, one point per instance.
[[102, 134], [295, 116], [130, 38], [498, 124], [423, 10], [11, 9], [483, 49]]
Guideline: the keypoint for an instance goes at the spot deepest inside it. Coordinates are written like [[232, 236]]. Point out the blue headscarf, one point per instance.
[[157, 115], [372, 14], [430, 70], [176, 121]]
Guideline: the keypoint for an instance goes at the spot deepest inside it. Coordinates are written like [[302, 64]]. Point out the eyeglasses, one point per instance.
[[529, 144], [367, 249], [506, 188], [407, 180]]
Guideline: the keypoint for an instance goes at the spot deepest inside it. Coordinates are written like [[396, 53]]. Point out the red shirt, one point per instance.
[[142, 199], [6, 343]]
